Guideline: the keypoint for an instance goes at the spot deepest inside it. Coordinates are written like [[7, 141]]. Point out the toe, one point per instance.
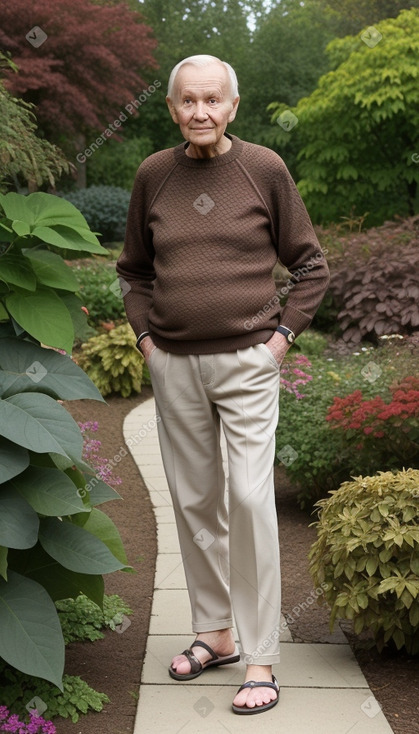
[[181, 665], [251, 697]]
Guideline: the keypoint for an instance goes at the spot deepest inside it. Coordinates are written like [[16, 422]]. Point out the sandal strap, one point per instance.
[[261, 684], [196, 665], [200, 643]]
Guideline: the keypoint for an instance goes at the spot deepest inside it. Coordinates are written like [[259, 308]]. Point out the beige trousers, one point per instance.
[[228, 540]]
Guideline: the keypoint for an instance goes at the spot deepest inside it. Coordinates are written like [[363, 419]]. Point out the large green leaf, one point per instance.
[[14, 269], [44, 209], [104, 528], [75, 548], [59, 582], [40, 424], [74, 303], [13, 459], [49, 216], [50, 269], [101, 492], [19, 522], [21, 228], [49, 491], [40, 208], [3, 561], [91, 486], [55, 374], [16, 206], [67, 237], [31, 638], [44, 316]]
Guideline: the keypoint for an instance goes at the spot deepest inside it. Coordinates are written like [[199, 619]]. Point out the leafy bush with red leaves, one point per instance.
[[377, 297], [90, 65], [385, 434]]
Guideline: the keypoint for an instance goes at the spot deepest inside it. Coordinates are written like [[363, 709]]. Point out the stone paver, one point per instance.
[[322, 686]]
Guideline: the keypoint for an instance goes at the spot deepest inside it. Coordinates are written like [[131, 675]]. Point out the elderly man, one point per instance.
[[208, 220]]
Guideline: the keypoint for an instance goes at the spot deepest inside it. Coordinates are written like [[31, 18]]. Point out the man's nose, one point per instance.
[[200, 111]]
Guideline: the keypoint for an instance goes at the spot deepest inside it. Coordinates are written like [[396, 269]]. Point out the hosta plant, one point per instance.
[[367, 555], [113, 362], [54, 541]]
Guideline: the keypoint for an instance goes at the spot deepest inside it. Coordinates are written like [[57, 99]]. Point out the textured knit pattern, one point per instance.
[[203, 236]]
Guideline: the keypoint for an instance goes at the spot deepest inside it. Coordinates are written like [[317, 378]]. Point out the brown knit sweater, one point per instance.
[[202, 238]]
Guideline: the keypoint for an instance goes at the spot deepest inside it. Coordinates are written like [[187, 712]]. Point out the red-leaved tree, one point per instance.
[[79, 62]]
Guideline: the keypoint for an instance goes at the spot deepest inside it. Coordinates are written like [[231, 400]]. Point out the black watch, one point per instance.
[[289, 335]]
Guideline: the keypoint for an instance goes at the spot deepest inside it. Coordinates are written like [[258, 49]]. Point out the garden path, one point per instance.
[[322, 686]]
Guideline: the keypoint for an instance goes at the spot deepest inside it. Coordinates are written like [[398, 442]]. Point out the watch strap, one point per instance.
[[288, 333], [139, 340]]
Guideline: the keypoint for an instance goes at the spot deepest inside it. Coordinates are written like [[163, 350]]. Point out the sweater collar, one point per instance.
[[218, 160]]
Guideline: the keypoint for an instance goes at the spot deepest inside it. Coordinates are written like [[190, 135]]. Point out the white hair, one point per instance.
[[204, 60]]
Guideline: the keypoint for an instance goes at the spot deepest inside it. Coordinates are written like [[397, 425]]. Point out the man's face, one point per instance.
[[202, 105]]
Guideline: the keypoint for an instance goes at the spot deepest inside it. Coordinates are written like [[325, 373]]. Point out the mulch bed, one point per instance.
[[113, 665]]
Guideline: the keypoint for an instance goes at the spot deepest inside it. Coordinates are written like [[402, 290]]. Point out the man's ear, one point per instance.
[[172, 110], [233, 112]]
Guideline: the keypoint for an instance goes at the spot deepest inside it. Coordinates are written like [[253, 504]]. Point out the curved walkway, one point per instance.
[[322, 686]]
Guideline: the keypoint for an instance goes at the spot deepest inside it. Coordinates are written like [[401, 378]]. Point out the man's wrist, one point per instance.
[[140, 339], [288, 333]]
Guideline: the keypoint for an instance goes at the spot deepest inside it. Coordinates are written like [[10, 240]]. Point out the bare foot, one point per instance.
[[221, 641], [251, 697]]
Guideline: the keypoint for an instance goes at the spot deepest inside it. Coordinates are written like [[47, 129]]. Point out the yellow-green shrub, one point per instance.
[[367, 554], [113, 362]]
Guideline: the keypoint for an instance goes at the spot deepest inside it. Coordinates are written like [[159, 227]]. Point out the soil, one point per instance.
[[113, 665]]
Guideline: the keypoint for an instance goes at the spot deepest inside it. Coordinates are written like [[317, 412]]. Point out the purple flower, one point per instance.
[[91, 450], [37, 724]]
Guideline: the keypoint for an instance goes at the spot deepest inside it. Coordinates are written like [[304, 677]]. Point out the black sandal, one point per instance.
[[197, 667], [258, 709]]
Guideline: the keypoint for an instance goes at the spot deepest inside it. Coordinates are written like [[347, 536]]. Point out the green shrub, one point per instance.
[[366, 556], [105, 209], [116, 163], [81, 619], [312, 462], [25, 156], [326, 316], [113, 362], [76, 697], [311, 343], [321, 458], [100, 292]]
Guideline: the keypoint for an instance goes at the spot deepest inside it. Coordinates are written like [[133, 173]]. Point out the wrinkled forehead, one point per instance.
[[202, 79]]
